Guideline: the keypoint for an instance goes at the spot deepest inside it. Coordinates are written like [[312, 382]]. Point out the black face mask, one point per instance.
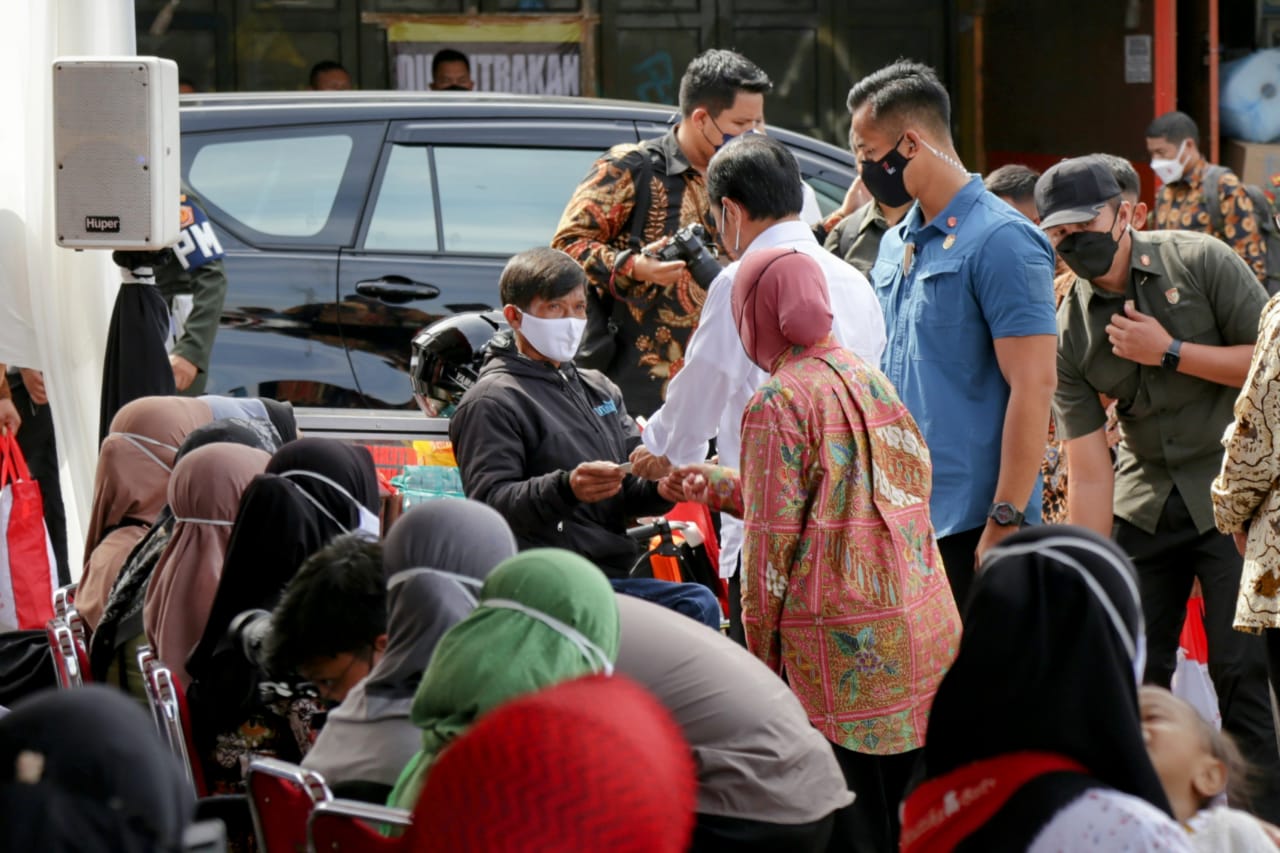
[[1089, 254], [884, 178]]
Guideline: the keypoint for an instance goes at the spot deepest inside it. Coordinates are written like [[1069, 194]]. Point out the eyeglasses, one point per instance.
[[326, 686]]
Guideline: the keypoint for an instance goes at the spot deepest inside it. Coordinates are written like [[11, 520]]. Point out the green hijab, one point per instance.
[[508, 647]]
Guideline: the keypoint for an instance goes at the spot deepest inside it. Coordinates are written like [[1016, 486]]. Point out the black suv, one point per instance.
[[350, 221]]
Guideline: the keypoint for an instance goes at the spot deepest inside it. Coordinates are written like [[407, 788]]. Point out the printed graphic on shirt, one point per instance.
[[197, 244]]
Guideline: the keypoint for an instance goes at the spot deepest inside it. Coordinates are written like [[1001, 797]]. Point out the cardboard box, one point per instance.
[[1253, 162]]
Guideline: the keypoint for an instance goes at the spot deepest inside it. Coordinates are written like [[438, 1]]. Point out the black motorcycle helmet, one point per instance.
[[446, 358]]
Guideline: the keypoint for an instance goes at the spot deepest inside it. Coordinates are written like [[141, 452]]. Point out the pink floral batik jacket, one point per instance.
[[842, 584]]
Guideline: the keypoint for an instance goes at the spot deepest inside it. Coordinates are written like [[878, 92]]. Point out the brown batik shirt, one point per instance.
[[656, 320], [1184, 206]]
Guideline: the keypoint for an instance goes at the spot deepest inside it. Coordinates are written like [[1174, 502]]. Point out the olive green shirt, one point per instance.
[[206, 283], [856, 239], [1171, 424]]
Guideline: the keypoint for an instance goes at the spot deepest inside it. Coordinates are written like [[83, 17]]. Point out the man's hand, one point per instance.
[[1241, 537], [992, 535], [693, 481], [10, 420], [645, 464], [184, 372], [654, 271], [33, 380], [671, 488], [1138, 337], [596, 481], [854, 198]]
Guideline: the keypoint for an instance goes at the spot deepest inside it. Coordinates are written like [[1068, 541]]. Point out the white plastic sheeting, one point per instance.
[[55, 304]]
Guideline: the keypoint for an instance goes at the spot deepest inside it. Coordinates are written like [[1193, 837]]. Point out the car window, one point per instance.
[[282, 187], [404, 213], [830, 196], [505, 200]]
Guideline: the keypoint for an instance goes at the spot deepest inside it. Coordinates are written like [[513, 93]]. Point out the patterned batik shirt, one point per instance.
[[1246, 494], [1183, 206], [843, 590], [597, 226]]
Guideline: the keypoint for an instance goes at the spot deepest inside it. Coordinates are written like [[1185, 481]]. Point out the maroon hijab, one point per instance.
[[779, 300]]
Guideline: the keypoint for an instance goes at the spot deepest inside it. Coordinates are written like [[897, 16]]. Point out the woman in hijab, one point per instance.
[[544, 616], [313, 490], [113, 647], [204, 494], [435, 560], [84, 770], [843, 590], [129, 488], [592, 764], [1037, 724]]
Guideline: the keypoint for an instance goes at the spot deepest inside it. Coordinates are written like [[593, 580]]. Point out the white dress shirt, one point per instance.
[[707, 397]]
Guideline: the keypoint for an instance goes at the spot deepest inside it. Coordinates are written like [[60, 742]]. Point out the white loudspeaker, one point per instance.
[[115, 151]]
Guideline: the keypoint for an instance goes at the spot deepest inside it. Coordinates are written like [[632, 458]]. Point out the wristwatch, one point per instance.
[[1172, 356], [1006, 514]]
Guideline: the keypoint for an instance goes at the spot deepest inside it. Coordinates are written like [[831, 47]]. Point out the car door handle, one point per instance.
[[396, 289]]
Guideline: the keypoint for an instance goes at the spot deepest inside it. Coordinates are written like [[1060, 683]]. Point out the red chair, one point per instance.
[[344, 826], [66, 663], [168, 704], [147, 661], [281, 798], [63, 597], [80, 641], [176, 719]]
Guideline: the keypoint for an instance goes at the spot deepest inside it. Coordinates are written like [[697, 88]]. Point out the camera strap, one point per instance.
[[642, 181]]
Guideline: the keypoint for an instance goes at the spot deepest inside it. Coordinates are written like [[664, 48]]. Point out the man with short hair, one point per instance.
[[451, 71], [966, 285], [329, 76], [1163, 322], [1015, 184], [643, 308], [755, 188], [544, 443], [331, 625], [1200, 196]]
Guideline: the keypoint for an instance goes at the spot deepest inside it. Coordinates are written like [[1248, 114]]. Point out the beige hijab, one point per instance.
[[129, 488], [204, 495]]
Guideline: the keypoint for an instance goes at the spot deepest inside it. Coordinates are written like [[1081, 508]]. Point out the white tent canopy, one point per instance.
[[55, 304]]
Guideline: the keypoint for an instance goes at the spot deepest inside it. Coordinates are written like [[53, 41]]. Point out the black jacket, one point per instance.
[[520, 430]]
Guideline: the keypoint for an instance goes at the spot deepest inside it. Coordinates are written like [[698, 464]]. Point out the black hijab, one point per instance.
[[85, 770], [1050, 660], [313, 490]]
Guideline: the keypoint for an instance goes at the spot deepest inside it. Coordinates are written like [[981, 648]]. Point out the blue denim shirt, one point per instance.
[[979, 271]]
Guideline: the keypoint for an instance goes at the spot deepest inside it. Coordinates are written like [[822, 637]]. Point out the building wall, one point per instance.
[[813, 49], [1054, 81]]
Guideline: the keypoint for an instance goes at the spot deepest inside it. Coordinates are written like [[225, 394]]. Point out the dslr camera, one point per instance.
[[690, 244]]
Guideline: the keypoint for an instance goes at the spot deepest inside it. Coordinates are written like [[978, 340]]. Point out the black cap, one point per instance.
[[1074, 191]]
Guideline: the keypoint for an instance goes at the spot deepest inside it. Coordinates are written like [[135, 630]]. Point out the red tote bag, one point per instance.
[[28, 571]]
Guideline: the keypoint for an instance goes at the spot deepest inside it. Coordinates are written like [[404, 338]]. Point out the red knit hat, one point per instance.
[[591, 764]]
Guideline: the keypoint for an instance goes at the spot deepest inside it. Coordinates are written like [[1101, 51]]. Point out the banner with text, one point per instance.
[[540, 58]]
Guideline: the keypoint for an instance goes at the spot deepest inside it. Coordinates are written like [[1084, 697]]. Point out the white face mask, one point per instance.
[[594, 655], [139, 441], [556, 339], [369, 525], [469, 586], [1169, 171]]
